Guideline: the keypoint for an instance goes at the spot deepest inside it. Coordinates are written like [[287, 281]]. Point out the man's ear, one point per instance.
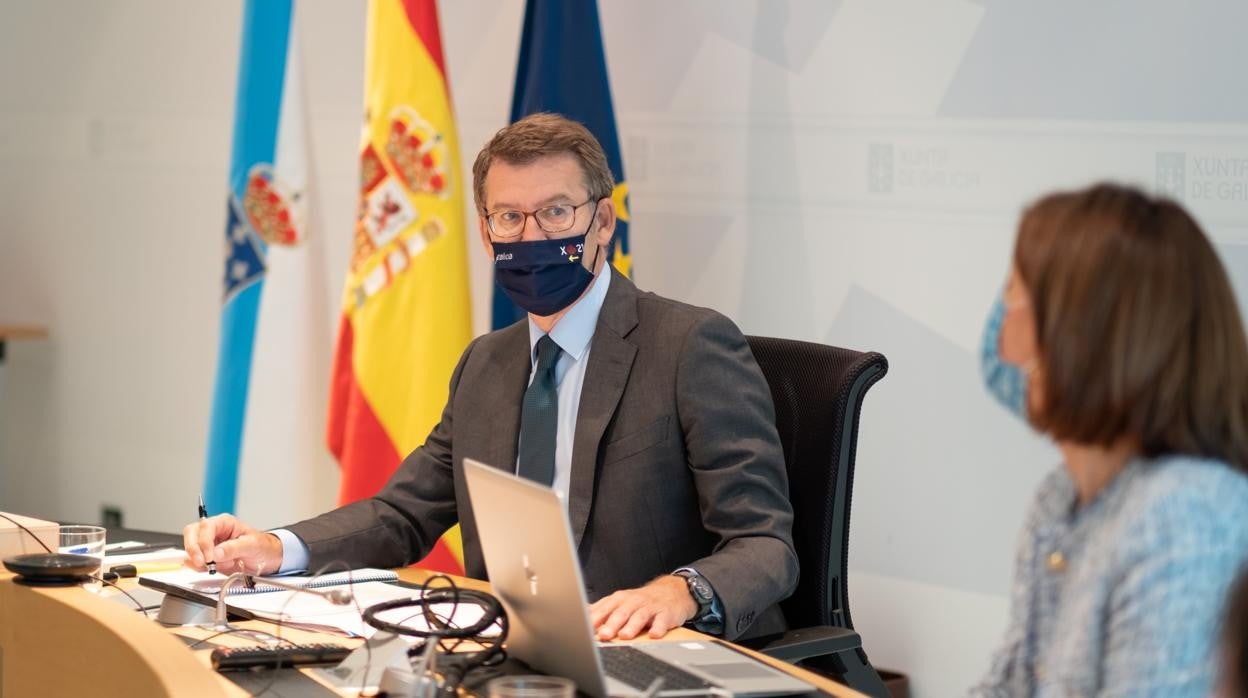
[[604, 219]]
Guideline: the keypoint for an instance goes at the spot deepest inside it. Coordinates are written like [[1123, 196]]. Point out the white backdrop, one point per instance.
[[843, 171]]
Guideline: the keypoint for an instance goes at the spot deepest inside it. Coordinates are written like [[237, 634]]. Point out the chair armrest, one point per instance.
[[804, 643]]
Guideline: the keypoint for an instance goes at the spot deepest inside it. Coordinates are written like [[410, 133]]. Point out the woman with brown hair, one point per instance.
[[1118, 336]]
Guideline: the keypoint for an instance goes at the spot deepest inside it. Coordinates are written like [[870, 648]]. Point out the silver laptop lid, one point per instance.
[[531, 559], [537, 578]]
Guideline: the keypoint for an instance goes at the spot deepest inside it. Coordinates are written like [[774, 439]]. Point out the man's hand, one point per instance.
[[232, 545], [661, 605]]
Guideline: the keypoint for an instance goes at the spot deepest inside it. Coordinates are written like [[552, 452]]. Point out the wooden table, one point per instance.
[[66, 641], [69, 641]]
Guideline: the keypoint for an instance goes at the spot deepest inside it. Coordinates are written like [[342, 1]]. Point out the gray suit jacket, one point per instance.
[[676, 462]]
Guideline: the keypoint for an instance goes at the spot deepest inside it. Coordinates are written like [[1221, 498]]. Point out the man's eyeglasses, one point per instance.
[[556, 218]]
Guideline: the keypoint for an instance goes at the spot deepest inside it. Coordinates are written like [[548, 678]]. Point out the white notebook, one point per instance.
[[210, 584]]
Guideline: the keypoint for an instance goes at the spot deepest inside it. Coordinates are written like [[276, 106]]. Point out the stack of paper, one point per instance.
[[147, 557], [312, 611], [152, 561]]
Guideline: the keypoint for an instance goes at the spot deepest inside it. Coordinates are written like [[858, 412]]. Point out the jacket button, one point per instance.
[[1057, 561]]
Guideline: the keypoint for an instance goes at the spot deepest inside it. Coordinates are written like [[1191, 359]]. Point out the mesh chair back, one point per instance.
[[818, 392]]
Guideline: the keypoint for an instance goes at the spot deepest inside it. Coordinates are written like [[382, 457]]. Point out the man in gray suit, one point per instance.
[[649, 416]]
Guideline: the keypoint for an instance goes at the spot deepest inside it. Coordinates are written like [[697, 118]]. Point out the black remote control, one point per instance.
[[244, 658]]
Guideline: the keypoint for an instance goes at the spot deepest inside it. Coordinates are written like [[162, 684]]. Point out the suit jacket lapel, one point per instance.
[[508, 375], [610, 361]]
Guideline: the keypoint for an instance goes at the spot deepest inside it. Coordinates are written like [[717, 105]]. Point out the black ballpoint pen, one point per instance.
[[203, 515]]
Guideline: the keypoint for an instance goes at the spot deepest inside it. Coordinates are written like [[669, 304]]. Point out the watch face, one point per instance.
[[701, 589]]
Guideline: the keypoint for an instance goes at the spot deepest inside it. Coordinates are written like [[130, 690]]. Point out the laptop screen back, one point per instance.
[[531, 559]]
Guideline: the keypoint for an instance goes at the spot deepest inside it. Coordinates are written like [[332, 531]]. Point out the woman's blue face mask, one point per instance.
[[1005, 381]]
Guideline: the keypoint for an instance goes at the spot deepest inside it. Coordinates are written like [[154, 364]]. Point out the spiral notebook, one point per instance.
[[206, 585]]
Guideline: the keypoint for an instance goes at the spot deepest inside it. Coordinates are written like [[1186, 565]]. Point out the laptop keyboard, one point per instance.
[[638, 669]]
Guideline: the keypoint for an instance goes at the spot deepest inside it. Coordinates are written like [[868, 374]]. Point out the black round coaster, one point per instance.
[[51, 569]]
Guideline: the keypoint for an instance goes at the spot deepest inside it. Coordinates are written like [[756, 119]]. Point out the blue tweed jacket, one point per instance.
[[1124, 596]]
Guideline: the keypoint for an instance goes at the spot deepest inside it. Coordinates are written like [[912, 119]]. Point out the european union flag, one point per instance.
[[563, 69]]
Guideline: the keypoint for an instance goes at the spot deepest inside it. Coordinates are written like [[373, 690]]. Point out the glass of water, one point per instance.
[[89, 541], [531, 687]]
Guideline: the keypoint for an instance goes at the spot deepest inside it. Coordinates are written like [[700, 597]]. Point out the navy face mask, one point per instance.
[[543, 276], [1005, 381]]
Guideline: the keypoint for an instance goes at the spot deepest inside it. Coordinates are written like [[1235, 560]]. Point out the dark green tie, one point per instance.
[[539, 417]]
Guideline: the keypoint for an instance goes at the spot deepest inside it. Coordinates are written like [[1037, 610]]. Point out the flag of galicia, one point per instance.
[[265, 231], [563, 69]]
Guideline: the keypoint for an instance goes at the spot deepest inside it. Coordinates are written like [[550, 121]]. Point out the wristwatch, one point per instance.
[[700, 590]]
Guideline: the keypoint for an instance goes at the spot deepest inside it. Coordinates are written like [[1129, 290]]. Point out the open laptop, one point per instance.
[[533, 567]]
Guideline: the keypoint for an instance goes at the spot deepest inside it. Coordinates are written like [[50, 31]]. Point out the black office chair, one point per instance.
[[818, 392]]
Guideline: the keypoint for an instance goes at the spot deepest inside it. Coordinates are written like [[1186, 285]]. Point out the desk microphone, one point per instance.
[[336, 596]]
